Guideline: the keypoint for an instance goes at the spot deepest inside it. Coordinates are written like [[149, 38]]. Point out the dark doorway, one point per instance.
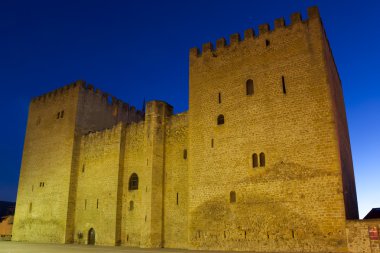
[[91, 237]]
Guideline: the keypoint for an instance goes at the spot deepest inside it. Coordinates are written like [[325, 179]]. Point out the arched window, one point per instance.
[[133, 182], [254, 161], [232, 197], [262, 159], [220, 119], [249, 87]]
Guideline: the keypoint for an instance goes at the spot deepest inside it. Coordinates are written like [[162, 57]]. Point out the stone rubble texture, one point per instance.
[[76, 167]]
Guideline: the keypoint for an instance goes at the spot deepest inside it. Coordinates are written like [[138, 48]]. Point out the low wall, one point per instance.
[[363, 236]]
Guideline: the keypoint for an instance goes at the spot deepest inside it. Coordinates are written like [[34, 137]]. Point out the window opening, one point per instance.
[[133, 182], [262, 159], [249, 87], [283, 84], [185, 154], [254, 161], [232, 197], [220, 119], [131, 205]]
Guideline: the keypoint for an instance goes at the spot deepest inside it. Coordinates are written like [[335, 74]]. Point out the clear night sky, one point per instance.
[[139, 49]]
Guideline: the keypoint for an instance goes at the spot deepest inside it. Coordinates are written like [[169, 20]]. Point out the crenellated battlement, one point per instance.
[[105, 133], [112, 101], [249, 34], [59, 92], [108, 99]]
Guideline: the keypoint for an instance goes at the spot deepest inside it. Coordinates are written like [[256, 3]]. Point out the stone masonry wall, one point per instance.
[[348, 177], [293, 202], [41, 207], [135, 161], [96, 202], [358, 237], [176, 182]]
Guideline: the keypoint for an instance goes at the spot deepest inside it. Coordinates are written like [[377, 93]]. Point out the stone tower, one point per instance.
[[45, 209], [270, 151]]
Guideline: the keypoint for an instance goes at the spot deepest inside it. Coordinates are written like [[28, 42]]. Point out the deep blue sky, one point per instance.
[[139, 49]]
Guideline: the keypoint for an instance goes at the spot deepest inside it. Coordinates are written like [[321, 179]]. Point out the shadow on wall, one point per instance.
[[267, 210]]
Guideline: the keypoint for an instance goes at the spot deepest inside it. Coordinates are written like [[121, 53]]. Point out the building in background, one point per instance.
[[7, 210]]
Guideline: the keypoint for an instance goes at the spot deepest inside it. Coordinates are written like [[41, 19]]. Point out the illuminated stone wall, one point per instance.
[[45, 208], [294, 202], [97, 191], [260, 162], [363, 236]]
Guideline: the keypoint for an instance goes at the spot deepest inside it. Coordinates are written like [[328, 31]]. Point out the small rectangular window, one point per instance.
[[185, 154]]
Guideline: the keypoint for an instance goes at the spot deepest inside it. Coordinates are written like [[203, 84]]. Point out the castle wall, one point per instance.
[[46, 167], [358, 236], [135, 161], [293, 202], [97, 190], [51, 157], [96, 111], [273, 173], [176, 182], [348, 177]]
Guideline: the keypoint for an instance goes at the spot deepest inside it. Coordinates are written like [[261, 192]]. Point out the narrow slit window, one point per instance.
[[249, 87], [97, 203], [220, 119], [177, 198], [262, 160], [283, 84], [131, 205], [30, 207], [254, 161], [212, 143], [83, 168], [185, 154], [267, 43], [85, 204], [232, 197], [219, 98], [62, 113], [58, 115]]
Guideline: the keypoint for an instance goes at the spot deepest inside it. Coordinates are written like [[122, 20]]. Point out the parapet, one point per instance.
[[107, 133], [109, 100], [58, 92], [249, 34], [112, 101], [159, 107]]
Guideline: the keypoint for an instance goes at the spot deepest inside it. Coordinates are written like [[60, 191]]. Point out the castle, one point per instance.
[[261, 161]]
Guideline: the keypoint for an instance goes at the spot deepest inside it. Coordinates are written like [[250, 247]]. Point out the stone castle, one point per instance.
[[261, 161]]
